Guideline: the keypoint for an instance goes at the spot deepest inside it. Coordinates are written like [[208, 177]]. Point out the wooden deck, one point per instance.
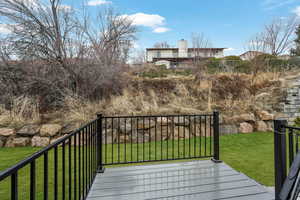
[[189, 180]]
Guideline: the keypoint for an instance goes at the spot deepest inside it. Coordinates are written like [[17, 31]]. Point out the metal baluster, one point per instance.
[[173, 131], [46, 176], [75, 167], [125, 142], [14, 186], [149, 138], [70, 168], [55, 174], [112, 141], [155, 151], [63, 170], [205, 136], [32, 180]]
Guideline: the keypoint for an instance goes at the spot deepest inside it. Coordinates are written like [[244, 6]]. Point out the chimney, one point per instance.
[[182, 48]]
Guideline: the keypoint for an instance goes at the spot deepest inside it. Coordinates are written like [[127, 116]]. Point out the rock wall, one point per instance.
[[33, 135], [141, 130], [292, 102]]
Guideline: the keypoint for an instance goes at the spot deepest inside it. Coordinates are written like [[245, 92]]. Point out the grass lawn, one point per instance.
[[251, 154]]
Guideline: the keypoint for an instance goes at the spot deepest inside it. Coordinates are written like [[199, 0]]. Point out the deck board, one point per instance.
[[187, 180]]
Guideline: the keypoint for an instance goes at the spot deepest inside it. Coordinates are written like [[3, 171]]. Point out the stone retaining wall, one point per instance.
[[135, 131]]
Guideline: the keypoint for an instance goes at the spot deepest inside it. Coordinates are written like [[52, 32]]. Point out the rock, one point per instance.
[[6, 132], [29, 130], [228, 129], [265, 116], [1, 143], [247, 117], [261, 126], [245, 128], [18, 142], [239, 118], [181, 121], [38, 141], [50, 130], [70, 127], [163, 121], [270, 125], [146, 124], [125, 128], [55, 139]]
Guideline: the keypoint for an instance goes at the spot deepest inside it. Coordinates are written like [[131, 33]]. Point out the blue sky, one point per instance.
[[227, 23]]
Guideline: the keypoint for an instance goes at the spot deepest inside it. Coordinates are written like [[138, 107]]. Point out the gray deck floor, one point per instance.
[[188, 180]]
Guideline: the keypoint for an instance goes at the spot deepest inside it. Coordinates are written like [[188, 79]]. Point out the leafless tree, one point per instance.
[[277, 37], [200, 41], [61, 50], [161, 45], [140, 56]]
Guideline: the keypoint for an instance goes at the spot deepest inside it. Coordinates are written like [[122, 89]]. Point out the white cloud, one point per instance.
[[4, 29], [98, 2], [153, 21], [297, 11], [229, 49], [272, 4], [65, 8], [148, 20], [161, 30]]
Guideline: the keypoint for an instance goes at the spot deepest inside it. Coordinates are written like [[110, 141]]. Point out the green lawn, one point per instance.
[[251, 154]]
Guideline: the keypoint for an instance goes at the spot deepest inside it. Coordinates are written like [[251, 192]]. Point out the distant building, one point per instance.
[[177, 56], [249, 55], [284, 57]]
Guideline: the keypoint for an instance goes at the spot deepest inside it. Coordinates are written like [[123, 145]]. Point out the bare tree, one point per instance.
[[278, 36], [200, 41], [140, 56], [60, 50], [161, 45]]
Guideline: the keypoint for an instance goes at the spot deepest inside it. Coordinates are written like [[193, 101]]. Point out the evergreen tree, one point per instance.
[[296, 51]]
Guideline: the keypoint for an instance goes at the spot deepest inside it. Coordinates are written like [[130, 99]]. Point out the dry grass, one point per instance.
[[23, 110], [229, 93]]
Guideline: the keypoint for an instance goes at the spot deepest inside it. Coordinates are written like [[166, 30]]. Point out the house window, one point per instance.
[[158, 54]]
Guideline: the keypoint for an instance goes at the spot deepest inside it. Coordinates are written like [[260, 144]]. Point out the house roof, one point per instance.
[[252, 52], [189, 49]]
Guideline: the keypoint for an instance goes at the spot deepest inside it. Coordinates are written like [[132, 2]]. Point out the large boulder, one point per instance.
[[239, 119], [1, 143], [265, 116], [228, 129], [247, 117], [29, 130], [50, 130], [181, 121], [58, 138], [38, 141], [18, 142], [245, 128], [6, 132], [261, 126], [146, 124], [70, 127]]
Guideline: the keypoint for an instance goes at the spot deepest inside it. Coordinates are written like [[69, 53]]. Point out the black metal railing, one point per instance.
[[66, 168], [63, 170], [286, 151], [135, 139]]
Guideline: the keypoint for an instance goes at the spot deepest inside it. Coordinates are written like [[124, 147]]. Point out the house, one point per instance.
[[249, 55], [172, 57]]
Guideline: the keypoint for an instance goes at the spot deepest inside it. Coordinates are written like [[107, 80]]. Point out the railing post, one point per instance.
[[100, 168], [216, 129], [280, 155]]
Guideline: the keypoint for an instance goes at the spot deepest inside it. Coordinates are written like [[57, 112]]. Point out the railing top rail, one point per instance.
[[292, 127], [149, 116], [4, 174]]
